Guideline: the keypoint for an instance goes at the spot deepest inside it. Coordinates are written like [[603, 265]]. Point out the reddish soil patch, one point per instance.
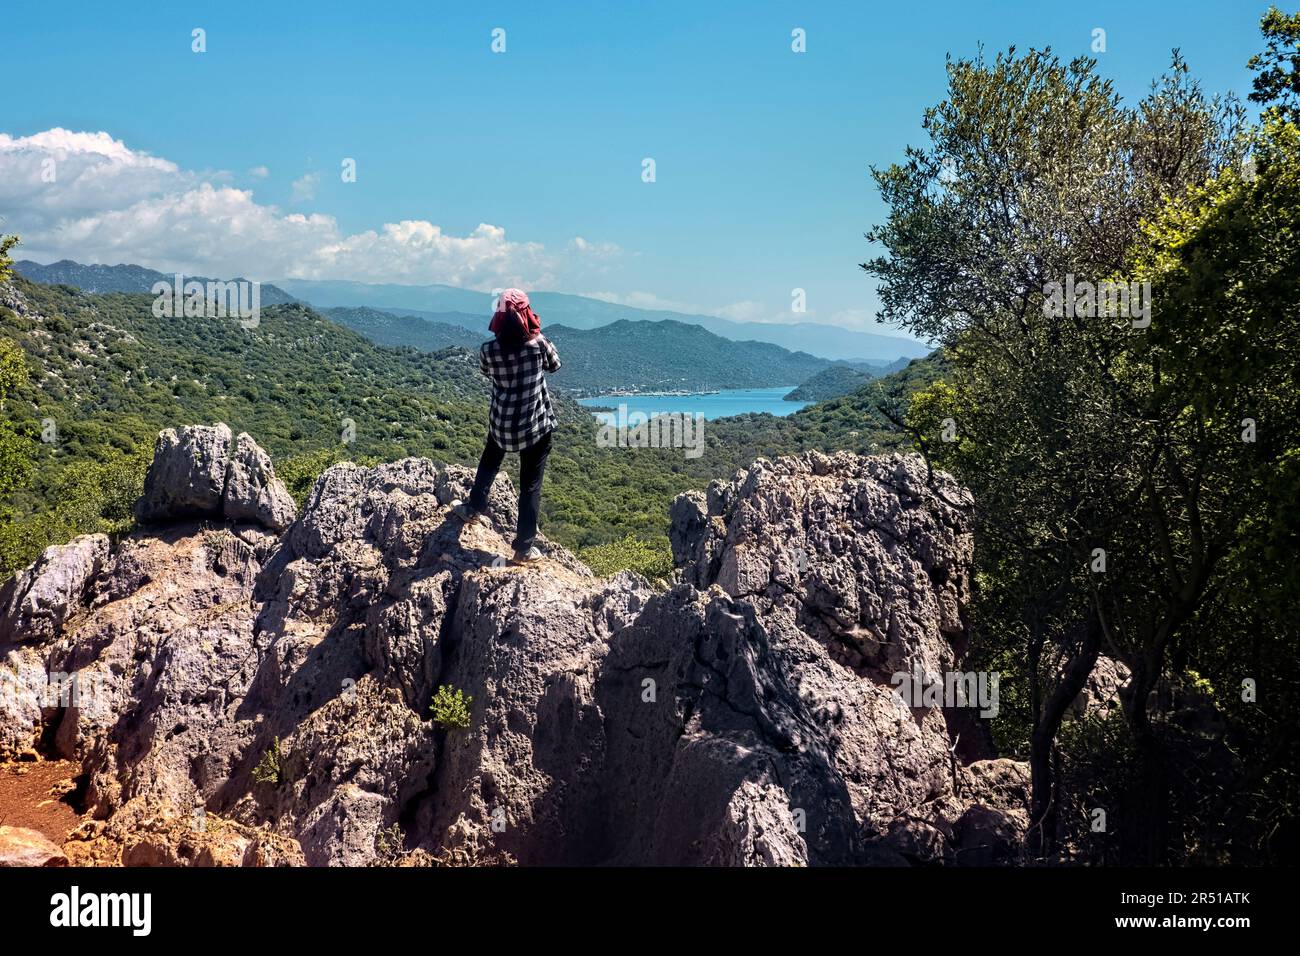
[[41, 795]]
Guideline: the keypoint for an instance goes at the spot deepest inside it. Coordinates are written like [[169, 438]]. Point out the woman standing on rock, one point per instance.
[[521, 419]]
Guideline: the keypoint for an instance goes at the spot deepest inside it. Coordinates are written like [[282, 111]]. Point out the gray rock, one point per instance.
[[200, 471], [739, 718], [1002, 783], [23, 684], [187, 476], [759, 828], [1100, 695], [252, 492], [986, 836], [919, 841], [872, 564], [154, 835], [36, 601], [688, 521]]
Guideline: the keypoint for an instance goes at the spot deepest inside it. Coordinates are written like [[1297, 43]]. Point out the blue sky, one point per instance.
[[761, 154]]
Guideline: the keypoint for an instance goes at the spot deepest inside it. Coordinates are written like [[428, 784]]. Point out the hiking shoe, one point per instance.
[[467, 514], [528, 557]]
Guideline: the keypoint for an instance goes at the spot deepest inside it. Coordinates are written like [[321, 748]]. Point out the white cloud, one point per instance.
[[63, 143], [596, 250], [259, 172], [645, 300], [863, 320], [304, 188], [748, 311], [59, 174], [108, 203]]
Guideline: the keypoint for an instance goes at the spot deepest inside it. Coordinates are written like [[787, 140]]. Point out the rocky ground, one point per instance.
[[254, 687]]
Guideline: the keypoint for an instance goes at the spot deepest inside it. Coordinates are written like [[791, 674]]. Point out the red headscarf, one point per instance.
[[513, 310]]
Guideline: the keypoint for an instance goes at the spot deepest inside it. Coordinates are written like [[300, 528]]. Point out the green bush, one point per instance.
[[270, 769], [89, 497], [390, 844], [450, 708], [300, 472], [650, 557]]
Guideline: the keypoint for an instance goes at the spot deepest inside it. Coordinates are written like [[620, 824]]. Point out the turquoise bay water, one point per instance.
[[734, 401]]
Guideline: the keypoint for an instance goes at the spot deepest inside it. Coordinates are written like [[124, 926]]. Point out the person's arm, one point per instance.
[[483, 360], [551, 358]]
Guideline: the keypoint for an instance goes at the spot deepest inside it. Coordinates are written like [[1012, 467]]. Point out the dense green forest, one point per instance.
[[389, 328], [832, 382], [1136, 471]]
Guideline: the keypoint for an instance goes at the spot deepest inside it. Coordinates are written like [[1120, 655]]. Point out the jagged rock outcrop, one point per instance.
[[35, 604], [36, 601], [866, 558], [202, 471], [742, 716]]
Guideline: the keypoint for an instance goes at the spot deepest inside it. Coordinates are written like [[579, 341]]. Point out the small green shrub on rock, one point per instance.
[[450, 708], [270, 769]]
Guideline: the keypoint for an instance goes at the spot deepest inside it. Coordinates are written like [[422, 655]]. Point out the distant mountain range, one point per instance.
[[622, 356], [123, 278], [388, 328], [579, 312], [472, 309]]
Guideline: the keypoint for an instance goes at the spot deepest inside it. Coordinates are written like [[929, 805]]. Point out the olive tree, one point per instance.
[[1000, 234]]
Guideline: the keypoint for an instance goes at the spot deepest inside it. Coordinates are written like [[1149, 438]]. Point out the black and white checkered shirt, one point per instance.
[[521, 406]]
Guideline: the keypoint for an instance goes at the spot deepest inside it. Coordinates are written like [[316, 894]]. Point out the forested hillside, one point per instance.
[[103, 375], [100, 376], [387, 328], [831, 383], [120, 278], [623, 356], [671, 356]]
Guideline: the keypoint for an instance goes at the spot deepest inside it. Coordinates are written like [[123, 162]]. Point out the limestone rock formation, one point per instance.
[[867, 559], [35, 602], [281, 680], [201, 471]]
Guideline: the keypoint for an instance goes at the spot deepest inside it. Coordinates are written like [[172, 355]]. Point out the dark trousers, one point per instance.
[[532, 463]]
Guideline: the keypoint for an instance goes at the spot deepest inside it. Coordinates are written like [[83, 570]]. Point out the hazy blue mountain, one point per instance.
[[825, 341], [121, 278], [621, 356], [386, 328], [472, 310], [580, 312], [332, 293]]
